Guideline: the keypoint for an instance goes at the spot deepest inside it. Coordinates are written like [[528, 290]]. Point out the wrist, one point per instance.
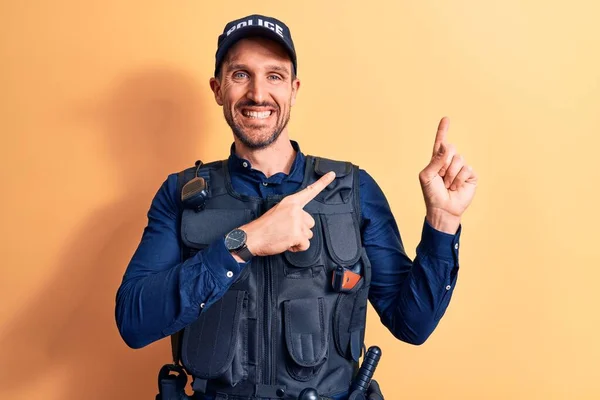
[[236, 243], [443, 221], [251, 238]]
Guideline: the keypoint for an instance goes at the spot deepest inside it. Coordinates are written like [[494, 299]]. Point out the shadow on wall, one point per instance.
[[151, 121]]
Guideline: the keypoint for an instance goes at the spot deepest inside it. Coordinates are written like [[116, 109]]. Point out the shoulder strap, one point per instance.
[[324, 165], [183, 177], [341, 168]]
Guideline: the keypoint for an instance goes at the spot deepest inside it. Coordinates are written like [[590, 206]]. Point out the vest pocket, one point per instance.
[[350, 314], [216, 345], [349, 323], [309, 257], [306, 264], [306, 336], [342, 238]]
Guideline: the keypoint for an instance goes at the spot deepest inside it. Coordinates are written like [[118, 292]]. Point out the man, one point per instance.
[[264, 262]]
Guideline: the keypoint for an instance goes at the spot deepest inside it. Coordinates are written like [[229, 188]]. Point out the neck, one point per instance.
[[277, 157]]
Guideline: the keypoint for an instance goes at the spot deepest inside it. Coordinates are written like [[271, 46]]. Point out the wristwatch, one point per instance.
[[235, 242]]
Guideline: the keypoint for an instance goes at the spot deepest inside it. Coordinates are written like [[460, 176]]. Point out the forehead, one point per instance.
[[257, 51]]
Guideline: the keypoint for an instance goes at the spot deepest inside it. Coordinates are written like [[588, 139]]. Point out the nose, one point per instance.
[[257, 91]]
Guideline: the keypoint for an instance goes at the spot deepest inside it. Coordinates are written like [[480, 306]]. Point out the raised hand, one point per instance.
[[286, 226], [448, 183]]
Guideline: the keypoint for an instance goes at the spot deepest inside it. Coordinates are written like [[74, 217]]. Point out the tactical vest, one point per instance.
[[286, 323]]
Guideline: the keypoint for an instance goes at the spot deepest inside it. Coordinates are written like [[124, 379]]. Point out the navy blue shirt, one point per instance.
[[160, 295]]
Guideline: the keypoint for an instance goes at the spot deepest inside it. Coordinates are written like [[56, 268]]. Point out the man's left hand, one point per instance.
[[448, 184]]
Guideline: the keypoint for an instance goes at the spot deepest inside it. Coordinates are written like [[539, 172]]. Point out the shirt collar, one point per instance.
[[241, 165]]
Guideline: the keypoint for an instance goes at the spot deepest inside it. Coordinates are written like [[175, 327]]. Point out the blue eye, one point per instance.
[[275, 77], [240, 75]]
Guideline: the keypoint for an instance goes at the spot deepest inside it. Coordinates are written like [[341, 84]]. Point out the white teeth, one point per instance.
[[256, 114]]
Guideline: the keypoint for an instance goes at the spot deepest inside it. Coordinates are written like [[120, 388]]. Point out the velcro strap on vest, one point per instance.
[[324, 165]]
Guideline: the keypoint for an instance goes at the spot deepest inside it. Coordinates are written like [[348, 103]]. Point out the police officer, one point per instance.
[[261, 265]]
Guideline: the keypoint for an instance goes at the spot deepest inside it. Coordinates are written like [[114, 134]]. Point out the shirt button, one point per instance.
[[229, 274], [265, 183], [245, 164], [448, 287], [456, 246], [202, 305]]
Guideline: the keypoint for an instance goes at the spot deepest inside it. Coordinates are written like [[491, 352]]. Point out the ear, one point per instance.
[[295, 88], [215, 86]]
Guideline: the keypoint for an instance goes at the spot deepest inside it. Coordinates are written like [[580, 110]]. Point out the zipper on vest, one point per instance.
[[267, 324], [273, 315], [267, 374], [269, 346], [270, 326]]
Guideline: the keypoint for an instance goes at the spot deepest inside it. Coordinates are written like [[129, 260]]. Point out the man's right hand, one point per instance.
[[286, 226]]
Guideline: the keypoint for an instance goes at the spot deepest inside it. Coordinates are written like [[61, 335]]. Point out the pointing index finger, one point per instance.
[[440, 136], [311, 191]]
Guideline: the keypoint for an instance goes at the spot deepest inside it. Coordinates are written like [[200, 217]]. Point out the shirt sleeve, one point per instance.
[[160, 293], [410, 296]]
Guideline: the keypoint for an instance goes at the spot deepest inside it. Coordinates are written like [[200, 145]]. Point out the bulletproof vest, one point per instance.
[[291, 320]]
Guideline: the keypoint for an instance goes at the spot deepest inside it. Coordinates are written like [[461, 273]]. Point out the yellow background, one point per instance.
[[101, 100]]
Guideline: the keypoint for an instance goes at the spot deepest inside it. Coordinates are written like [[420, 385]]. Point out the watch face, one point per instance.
[[235, 239]]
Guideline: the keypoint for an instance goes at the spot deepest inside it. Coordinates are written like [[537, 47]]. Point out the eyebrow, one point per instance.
[[271, 67], [277, 68]]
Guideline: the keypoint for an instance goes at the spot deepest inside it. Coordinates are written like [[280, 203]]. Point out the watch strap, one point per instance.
[[244, 253]]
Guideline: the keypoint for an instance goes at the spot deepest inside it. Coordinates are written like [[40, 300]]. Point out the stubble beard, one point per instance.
[[260, 142]]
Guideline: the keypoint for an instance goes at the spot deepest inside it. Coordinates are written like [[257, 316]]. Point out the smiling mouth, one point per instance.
[[257, 114]]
